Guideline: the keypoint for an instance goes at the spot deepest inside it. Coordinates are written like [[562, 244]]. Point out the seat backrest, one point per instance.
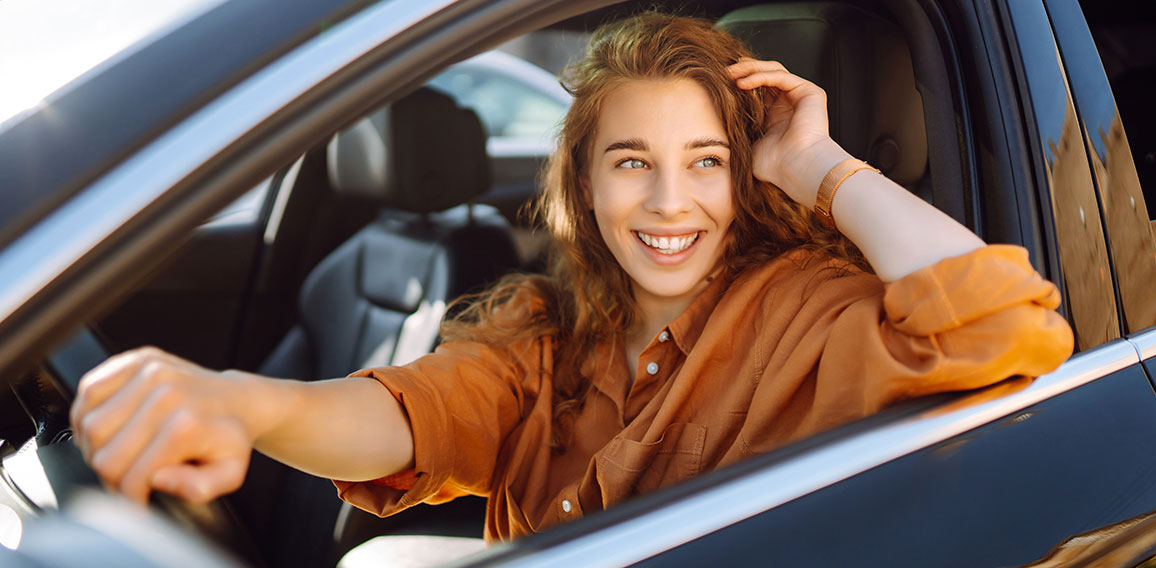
[[379, 298], [863, 63]]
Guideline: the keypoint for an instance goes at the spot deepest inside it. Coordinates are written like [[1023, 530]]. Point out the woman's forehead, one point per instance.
[[674, 111]]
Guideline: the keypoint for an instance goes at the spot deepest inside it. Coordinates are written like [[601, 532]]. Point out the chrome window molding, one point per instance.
[[46, 251], [1145, 343], [713, 509]]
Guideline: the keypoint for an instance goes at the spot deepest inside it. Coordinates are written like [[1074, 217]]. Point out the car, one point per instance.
[[1008, 115], [520, 104], [521, 107]]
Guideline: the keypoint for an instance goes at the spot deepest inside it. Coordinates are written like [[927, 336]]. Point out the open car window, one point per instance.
[[228, 298]]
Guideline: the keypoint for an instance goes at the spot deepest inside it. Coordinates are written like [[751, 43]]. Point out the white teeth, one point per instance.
[[668, 245]]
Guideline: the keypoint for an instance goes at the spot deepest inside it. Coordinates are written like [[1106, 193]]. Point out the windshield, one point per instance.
[[45, 45]]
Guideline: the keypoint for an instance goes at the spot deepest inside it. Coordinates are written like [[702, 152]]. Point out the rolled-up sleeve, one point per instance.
[[962, 323], [991, 316], [462, 401]]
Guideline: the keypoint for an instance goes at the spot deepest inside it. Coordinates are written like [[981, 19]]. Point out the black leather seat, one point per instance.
[[378, 299]]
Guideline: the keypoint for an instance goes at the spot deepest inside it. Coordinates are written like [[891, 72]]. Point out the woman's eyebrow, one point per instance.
[[636, 144], [706, 143]]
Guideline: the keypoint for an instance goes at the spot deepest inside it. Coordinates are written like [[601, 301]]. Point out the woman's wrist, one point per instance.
[[801, 177], [260, 403]]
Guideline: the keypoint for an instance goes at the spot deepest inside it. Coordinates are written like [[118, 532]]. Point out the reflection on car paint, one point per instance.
[[1079, 232], [1120, 544], [1126, 216], [1121, 197]]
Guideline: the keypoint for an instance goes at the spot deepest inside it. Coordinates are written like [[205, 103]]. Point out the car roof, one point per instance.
[[51, 151], [64, 40]]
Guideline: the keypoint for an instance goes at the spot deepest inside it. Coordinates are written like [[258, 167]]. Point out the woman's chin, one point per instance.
[[669, 287]]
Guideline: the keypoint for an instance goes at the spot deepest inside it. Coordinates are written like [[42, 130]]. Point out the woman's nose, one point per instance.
[[669, 196]]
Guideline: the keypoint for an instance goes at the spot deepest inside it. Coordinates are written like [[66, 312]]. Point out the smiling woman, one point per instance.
[[696, 313], [660, 189]]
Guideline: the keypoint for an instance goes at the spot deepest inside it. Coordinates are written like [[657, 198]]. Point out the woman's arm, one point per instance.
[[897, 232], [148, 420]]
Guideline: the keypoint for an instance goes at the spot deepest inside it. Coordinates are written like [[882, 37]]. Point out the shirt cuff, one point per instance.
[[428, 422]]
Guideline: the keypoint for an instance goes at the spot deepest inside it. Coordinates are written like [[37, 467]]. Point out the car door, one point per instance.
[[1128, 215], [1017, 474]]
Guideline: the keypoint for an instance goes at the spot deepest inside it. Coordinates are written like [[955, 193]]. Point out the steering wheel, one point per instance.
[[46, 395]]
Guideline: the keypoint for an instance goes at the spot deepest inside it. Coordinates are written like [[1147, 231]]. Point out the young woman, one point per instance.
[[697, 312]]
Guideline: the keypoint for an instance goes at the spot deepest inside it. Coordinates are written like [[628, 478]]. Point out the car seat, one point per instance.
[[863, 63], [379, 298]]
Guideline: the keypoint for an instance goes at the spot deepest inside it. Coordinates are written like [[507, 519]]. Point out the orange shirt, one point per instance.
[[784, 351]]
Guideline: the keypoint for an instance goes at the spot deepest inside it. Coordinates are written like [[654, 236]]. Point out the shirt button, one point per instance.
[[652, 368], [664, 336], [566, 505]]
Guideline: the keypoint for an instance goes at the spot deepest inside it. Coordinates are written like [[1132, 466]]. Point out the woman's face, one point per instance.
[[660, 186]]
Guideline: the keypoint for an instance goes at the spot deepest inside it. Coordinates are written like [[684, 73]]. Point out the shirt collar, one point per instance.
[[688, 326]]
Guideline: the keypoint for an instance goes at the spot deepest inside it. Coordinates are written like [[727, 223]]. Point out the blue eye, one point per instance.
[[709, 162], [632, 164]]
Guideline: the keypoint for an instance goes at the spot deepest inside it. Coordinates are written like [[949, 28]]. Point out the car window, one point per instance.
[[518, 122], [1120, 135], [506, 106], [515, 89], [1083, 251]]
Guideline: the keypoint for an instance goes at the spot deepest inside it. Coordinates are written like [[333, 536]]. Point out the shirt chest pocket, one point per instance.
[[627, 467]]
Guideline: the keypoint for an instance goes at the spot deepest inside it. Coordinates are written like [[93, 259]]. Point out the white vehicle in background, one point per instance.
[[521, 106]]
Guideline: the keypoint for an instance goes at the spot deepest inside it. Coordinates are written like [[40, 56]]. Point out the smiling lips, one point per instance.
[[668, 245]]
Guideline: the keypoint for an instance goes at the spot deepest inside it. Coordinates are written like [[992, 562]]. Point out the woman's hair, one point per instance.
[[587, 296]]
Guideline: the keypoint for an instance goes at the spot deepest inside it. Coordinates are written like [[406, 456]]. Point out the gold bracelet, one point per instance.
[[830, 185]]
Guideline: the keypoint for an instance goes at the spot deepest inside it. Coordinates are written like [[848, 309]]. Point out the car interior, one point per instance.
[[358, 247]]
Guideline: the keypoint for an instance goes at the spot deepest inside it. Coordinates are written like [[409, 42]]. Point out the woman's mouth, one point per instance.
[[667, 244]]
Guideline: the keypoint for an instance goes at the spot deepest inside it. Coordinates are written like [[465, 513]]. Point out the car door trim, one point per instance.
[[62, 238], [654, 532], [1145, 342]]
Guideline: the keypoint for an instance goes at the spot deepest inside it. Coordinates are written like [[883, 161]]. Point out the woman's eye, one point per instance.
[[632, 164], [710, 162]]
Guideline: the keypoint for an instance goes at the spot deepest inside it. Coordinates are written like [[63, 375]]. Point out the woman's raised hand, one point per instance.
[[149, 420], [796, 150]]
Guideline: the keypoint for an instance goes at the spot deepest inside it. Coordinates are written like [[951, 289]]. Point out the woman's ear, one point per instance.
[[587, 195]]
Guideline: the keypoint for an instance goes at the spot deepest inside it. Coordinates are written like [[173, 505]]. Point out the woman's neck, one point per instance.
[[655, 313]]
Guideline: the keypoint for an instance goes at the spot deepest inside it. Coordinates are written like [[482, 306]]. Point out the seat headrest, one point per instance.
[[863, 63], [422, 153]]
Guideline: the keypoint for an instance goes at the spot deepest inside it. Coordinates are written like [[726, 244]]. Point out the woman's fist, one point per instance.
[[148, 420]]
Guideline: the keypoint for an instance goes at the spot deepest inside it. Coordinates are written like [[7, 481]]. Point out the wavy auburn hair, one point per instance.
[[587, 295]]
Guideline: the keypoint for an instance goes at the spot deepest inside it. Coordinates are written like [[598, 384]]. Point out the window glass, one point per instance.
[[516, 92], [1121, 61], [507, 106]]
